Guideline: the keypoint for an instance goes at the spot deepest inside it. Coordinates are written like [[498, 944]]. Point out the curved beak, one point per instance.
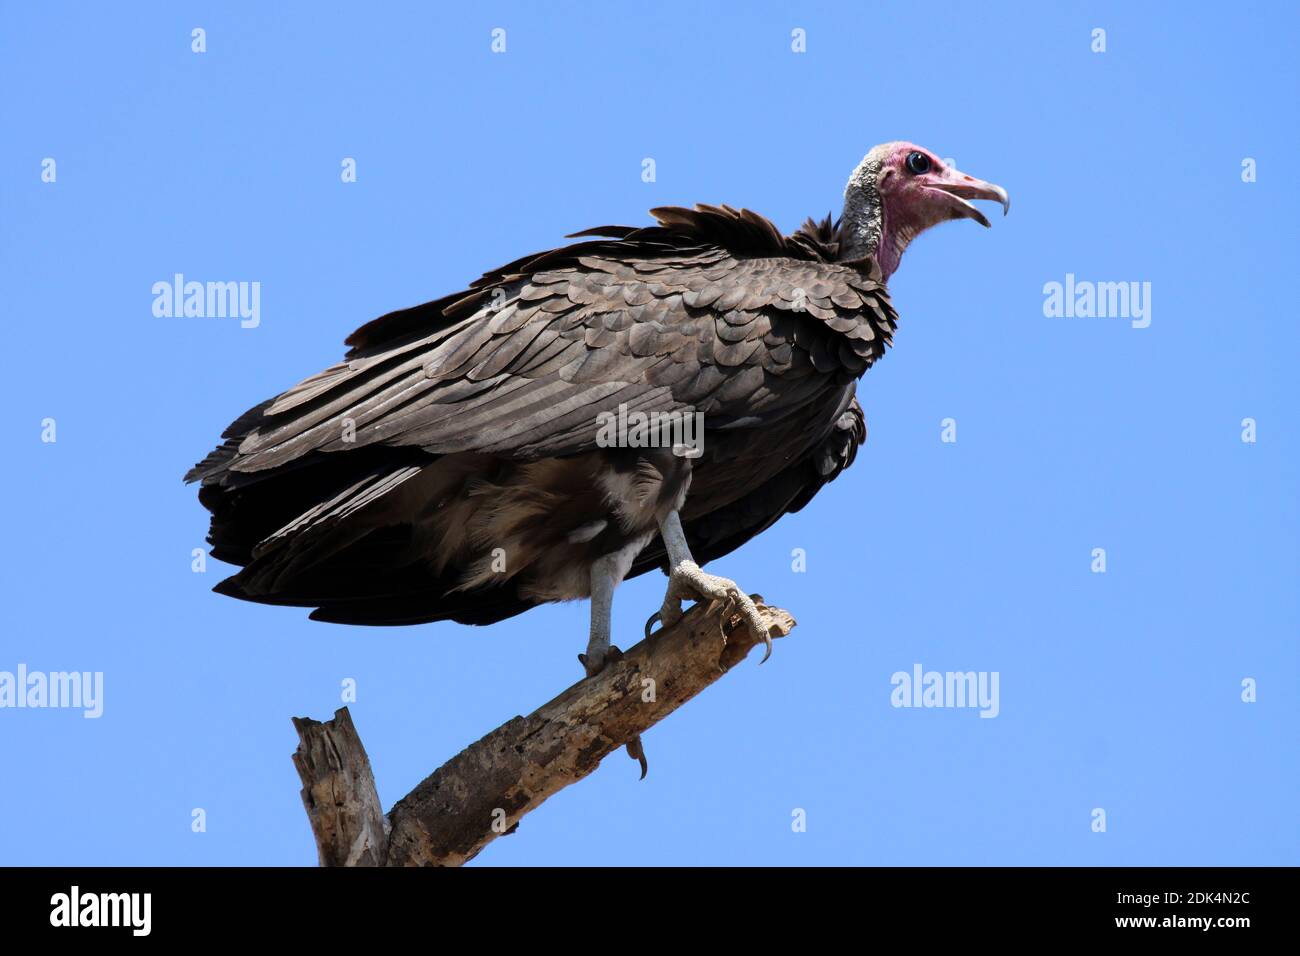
[[961, 187]]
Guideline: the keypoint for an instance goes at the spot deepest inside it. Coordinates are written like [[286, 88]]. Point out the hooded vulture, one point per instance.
[[486, 452]]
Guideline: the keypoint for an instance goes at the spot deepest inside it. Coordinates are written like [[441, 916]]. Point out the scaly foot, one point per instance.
[[596, 661], [687, 581]]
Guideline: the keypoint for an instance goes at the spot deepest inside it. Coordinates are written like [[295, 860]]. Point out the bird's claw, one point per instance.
[[637, 753], [687, 581], [757, 626], [593, 667]]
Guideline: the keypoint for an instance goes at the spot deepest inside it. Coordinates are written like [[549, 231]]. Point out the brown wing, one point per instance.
[[522, 365]]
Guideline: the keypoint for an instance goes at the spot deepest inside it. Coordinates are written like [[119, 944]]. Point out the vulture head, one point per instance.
[[898, 191]]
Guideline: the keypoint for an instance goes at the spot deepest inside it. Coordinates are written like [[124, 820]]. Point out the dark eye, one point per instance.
[[918, 163]]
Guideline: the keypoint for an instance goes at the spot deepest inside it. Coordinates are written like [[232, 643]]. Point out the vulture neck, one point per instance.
[[864, 227]]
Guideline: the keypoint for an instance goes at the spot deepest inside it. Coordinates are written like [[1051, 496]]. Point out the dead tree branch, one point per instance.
[[485, 790]]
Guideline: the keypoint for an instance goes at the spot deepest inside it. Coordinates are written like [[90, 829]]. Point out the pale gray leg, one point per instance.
[[599, 650], [670, 529], [602, 600], [687, 581]]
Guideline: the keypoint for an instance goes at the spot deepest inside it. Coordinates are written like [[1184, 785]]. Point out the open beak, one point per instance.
[[959, 187]]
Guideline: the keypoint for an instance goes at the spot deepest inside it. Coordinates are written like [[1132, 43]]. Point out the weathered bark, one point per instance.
[[338, 790], [485, 790]]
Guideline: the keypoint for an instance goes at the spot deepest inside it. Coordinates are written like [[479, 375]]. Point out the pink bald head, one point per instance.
[[900, 190]]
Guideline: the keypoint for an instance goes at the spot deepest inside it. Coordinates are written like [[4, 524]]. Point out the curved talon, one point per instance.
[[737, 602], [650, 623], [760, 629], [687, 581], [756, 624], [637, 753], [594, 664], [590, 665]]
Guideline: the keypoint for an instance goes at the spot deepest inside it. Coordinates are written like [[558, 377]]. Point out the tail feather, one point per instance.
[[343, 534]]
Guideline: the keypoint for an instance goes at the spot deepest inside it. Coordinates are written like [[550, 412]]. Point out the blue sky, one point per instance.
[[1119, 690]]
